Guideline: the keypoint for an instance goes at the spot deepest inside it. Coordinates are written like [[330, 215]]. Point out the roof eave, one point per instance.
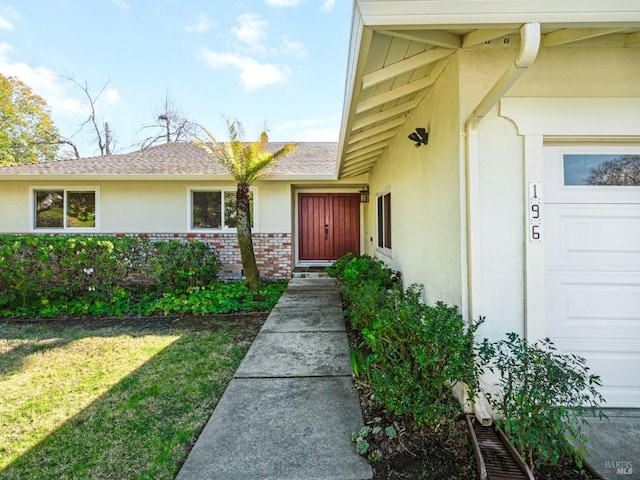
[[449, 13]]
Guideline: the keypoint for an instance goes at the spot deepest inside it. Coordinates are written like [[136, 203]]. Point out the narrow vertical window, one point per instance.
[[387, 221], [384, 221]]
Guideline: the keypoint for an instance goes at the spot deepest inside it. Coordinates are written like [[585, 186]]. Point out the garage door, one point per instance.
[[592, 263]]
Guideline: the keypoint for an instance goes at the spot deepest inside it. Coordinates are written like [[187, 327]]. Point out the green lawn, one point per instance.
[[119, 402]]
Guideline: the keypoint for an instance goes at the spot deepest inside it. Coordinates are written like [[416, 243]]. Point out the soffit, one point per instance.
[[396, 66]]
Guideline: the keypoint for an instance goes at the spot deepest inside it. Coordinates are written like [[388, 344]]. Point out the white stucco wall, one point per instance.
[[428, 184], [145, 206], [425, 195]]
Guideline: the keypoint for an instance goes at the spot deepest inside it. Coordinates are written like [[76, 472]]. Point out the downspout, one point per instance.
[[529, 46]]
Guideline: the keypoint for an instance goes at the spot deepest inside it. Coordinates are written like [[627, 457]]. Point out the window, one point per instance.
[[384, 221], [216, 209], [61, 209], [601, 169]]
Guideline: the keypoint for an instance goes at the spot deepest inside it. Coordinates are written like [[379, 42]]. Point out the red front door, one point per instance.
[[329, 225]]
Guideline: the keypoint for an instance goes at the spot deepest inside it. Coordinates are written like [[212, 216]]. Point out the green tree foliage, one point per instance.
[[27, 133], [246, 162]]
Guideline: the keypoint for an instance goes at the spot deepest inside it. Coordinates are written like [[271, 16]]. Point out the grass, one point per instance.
[[122, 401]]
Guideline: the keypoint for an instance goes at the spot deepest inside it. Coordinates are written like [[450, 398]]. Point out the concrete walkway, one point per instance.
[[614, 444], [291, 408]]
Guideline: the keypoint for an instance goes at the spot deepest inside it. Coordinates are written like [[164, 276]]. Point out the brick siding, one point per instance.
[[273, 252]]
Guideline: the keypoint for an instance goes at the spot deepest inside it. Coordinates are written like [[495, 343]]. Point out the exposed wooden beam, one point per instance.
[[352, 160], [478, 37], [391, 95], [361, 151], [404, 66], [571, 35], [372, 139], [357, 170], [365, 161], [632, 40], [385, 114], [437, 38], [400, 92], [391, 124]]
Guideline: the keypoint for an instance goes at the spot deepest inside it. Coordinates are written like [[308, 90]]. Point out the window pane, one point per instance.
[[601, 169], [49, 209], [230, 214], [81, 209], [387, 220], [207, 209], [380, 223]]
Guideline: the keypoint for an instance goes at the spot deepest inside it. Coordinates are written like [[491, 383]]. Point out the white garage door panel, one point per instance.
[[592, 269], [594, 235], [604, 304], [620, 380]]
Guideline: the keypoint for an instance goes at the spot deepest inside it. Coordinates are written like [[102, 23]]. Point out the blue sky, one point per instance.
[[282, 62]]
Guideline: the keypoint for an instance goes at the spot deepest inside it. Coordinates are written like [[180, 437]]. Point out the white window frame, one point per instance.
[[222, 190], [63, 229]]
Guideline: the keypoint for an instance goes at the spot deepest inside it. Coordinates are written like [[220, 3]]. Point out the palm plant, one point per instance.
[[246, 162]]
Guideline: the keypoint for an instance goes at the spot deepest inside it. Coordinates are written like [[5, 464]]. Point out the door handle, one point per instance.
[[326, 232]]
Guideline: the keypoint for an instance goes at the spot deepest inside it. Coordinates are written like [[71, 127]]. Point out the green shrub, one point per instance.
[[179, 265], [545, 396], [69, 275], [354, 269], [367, 287], [221, 298], [411, 353], [364, 302], [420, 351]]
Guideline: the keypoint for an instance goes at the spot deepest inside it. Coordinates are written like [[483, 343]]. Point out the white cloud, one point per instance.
[[204, 23], [121, 4], [328, 5], [314, 129], [112, 96], [253, 75], [283, 3], [251, 30], [5, 24], [44, 82], [293, 48]]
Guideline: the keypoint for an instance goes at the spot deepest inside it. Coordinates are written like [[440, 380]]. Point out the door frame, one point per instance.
[[575, 121], [296, 227]]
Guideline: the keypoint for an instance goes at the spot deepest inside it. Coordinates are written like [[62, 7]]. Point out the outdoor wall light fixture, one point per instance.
[[364, 194], [420, 136]]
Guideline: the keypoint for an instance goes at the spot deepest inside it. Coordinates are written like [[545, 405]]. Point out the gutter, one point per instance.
[[529, 47]]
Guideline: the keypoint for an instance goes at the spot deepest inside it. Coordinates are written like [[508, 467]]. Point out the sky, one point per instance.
[[279, 63]]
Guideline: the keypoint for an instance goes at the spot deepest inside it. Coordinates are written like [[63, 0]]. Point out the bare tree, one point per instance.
[[103, 134], [170, 125], [622, 170]]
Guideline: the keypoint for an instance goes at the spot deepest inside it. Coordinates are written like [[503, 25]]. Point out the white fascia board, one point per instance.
[[359, 43], [452, 13]]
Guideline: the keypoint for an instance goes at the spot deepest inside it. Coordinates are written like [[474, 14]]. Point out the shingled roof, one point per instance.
[[181, 159]]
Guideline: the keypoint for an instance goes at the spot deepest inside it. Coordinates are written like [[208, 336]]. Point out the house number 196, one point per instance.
[[535, 212]]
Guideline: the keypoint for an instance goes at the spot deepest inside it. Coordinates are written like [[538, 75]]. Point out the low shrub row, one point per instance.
[[411, 354], [52, 276]]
